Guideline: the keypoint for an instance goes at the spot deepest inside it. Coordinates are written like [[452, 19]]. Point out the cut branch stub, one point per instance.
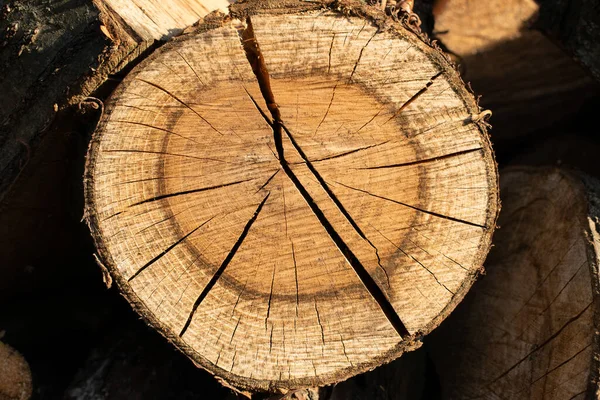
[[293, 198], [528, 329]]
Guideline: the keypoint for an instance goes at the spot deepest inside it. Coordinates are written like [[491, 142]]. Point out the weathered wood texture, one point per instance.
[[576, 26], [15, 376], [524, 78], [296, 197], [528, 329], [54, 54]]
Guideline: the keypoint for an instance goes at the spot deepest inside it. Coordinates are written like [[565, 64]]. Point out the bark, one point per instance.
[[243, 189], [527, 330], [55, 54], [576, 26], [526, 80]]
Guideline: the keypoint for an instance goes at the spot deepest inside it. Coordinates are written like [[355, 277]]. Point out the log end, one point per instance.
[[293, 198]]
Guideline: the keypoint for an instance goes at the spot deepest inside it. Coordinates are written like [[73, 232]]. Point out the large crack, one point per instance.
[[185, 192], [183, 103], [224, 264], [168, 249], [256, 60]]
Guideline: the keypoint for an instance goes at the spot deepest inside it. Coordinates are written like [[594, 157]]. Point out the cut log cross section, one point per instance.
[[293, 198]]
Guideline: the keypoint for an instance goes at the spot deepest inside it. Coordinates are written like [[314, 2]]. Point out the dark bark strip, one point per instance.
[[171, 247], [259, 68], [224, 265], [256, 60]]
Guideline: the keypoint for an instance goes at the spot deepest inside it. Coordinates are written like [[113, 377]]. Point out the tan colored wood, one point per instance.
[[523, 77], [15, 376], [154, 19], [293, 198], [469, 27], [528, 329]]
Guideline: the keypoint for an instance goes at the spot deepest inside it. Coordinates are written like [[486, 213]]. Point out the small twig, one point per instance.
[[483, 116], [93, 102]]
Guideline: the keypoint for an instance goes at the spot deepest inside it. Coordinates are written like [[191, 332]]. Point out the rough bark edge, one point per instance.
[[384, 23]]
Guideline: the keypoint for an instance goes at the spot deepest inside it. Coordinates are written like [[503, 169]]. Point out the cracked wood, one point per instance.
[[528, 330], [279, 193]]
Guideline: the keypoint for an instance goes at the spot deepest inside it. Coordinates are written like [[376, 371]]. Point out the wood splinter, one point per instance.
[[293, 201]]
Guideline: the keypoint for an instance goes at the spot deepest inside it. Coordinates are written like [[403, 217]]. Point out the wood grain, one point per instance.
[[527, 330], [293, 198]]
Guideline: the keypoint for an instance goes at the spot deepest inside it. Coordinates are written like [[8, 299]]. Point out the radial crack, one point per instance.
[[270, 297], [168, 249], [204, 189], [320, 324], [181, 102], [414, 208], [257, 62], [224, 265], [347, 153], [330, 51], [562, 363], [296, 278], [189, 65], [415, 260], [414, 97], [361, 52], [327, 111], [166, 154], [267, 181], [426, 160]]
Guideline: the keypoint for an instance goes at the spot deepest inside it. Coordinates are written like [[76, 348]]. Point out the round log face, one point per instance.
[[306, 244]]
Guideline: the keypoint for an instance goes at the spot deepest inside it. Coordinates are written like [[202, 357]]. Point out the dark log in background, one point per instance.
[[83, 341]]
